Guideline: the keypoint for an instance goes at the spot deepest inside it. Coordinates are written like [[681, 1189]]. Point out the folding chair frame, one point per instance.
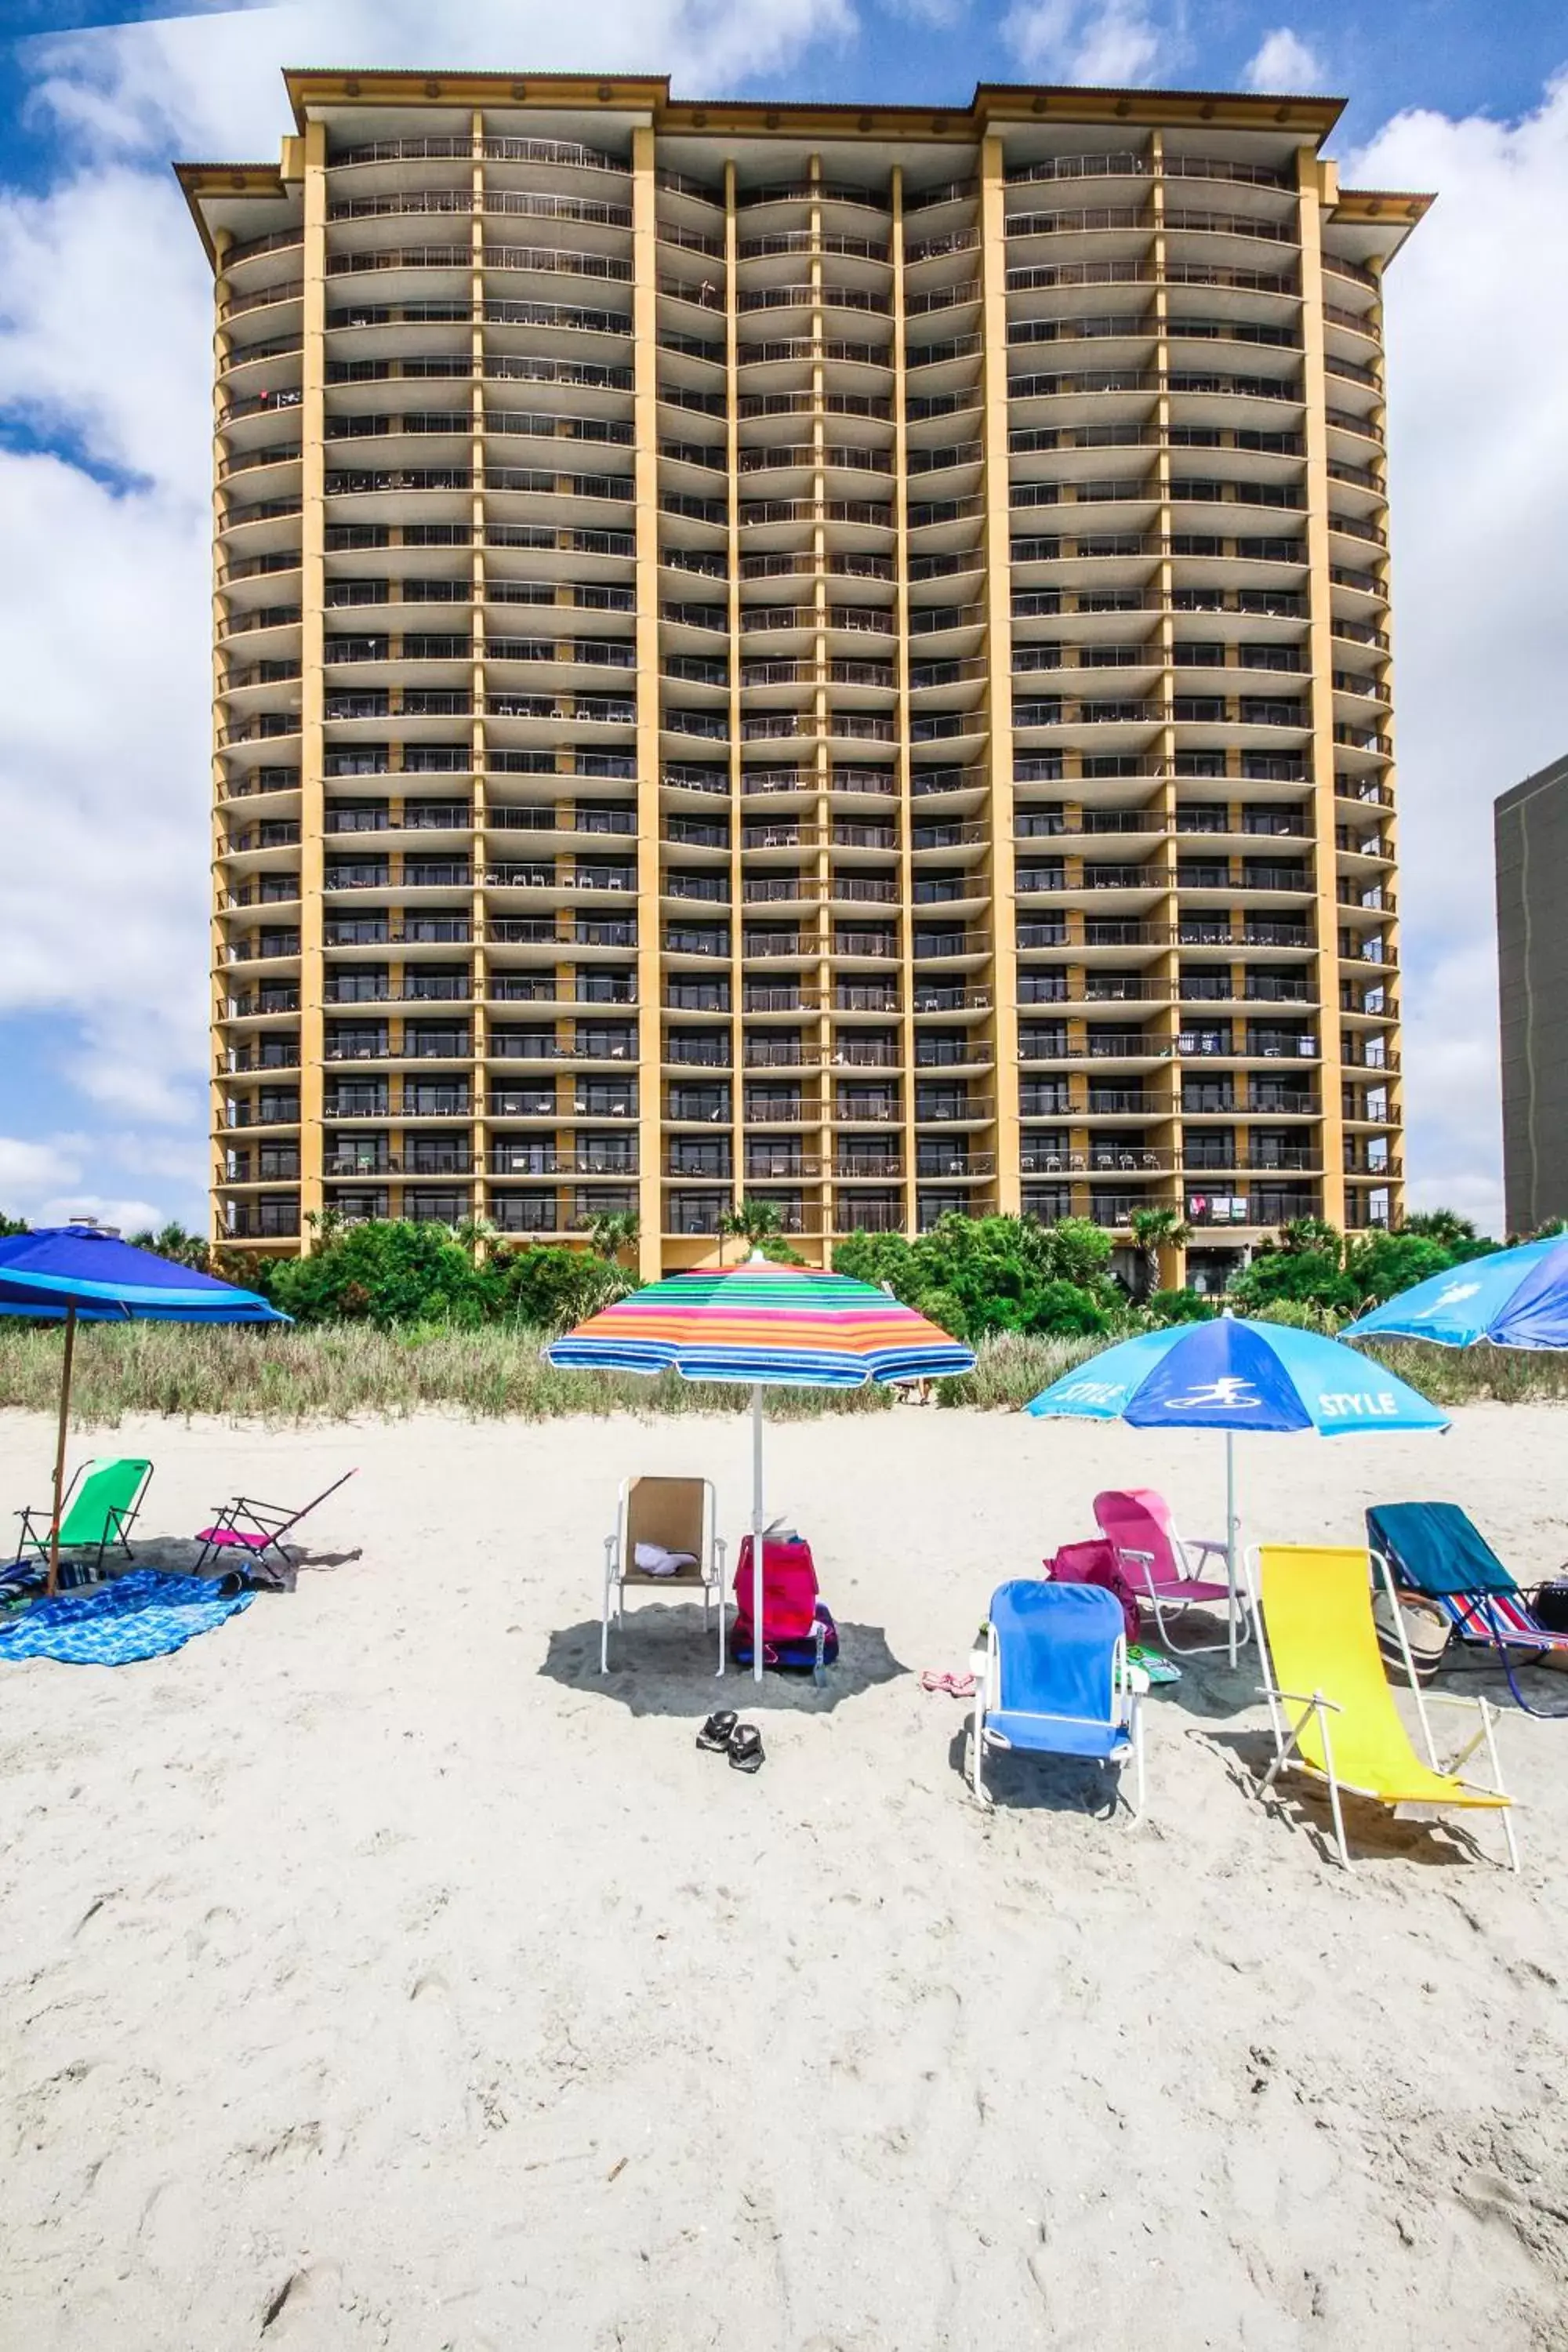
[[1237, 1614], [711, 1570], [1125, 1694], [118, 1521], [245, 1517], [1287, 1735]]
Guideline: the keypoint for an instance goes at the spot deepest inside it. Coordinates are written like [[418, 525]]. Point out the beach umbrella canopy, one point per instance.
[[1512, 1297], [73, 1274], [763, 1326], [1234, 1374]]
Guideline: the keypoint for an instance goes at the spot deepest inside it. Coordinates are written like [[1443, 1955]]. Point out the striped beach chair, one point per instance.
[[1436, 1548]]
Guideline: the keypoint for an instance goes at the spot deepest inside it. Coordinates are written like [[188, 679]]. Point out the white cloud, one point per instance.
[[1477, 332], [106, 322], [1283, 62], [30, 1170], [105, 344], [103, 776], [211, 83], [122, 1215], [46, 1183], [1105, 44]]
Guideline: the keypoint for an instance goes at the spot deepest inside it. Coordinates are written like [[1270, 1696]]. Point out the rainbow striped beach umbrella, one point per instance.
[[763, 1326]]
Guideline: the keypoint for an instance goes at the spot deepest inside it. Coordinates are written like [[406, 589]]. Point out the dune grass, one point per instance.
[[340, 1372]]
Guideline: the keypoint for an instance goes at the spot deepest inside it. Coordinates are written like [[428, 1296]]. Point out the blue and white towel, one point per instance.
[[141, 1615]]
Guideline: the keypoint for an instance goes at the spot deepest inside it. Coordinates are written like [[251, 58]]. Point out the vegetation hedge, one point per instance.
[[389, 1317]]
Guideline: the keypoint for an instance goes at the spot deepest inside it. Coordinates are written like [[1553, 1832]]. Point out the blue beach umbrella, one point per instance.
[[72, 1273], [1234, 1374], [1512, 1297]]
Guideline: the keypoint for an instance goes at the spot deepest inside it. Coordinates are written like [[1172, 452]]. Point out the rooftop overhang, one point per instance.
[[213, 189], [649, 95], [1379, 219]]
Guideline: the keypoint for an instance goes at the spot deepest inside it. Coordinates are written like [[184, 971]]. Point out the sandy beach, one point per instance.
[[373, 1974]]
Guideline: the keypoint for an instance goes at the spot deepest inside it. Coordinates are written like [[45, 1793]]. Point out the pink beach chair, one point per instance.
[[246, 1525], [1171, 1573]]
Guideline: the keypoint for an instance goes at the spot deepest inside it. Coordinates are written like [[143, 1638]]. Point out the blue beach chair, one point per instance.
[[1057, 1680], [1436, 1548]]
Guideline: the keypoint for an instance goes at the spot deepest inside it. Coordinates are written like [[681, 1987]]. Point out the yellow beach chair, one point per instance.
[[1319, 1645]]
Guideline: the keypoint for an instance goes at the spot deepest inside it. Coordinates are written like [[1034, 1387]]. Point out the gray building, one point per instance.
[[1531, 825]]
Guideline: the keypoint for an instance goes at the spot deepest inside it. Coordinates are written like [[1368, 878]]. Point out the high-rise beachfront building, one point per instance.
[[833, 655], [1530, 832]]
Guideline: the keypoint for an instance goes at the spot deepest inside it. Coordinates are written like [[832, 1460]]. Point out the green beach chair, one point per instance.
[[98, 1509]]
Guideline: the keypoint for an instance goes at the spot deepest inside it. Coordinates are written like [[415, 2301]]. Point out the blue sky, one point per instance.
[[104, 344]]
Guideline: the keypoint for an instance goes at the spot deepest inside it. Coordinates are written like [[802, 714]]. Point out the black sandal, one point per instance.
[[746, 1747], [716, 1732]]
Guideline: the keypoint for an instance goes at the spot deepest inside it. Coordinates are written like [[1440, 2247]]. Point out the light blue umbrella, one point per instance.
[[1514, 1297], [1230, 1374]]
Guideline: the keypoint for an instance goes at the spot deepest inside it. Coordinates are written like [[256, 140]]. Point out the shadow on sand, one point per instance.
[[1042, 1784], [662, 1662], [179, 1555], [1372, 1832]]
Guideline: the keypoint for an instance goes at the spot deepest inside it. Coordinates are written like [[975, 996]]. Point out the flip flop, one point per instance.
[[932, 1681], [1159, 1668], [746, 1747], [715, 1733]]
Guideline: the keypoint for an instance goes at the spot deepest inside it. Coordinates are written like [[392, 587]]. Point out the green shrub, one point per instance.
[[1181, 1307], [382, 1272], [1313, 1276], [548, 1287], [977, 1276]]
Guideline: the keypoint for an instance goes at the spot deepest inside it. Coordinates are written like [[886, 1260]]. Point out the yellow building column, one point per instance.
[[901, 710], [222, 978], [818, 1245], [1171, 1192], [1321, 658], [734, 649], [645, 415], [998, 593], [312, 747], [479, 1038], [1388, 826]]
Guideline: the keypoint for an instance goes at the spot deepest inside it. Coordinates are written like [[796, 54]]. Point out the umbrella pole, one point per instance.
[[60, 1452], [1230, 1536], [757, 1532]]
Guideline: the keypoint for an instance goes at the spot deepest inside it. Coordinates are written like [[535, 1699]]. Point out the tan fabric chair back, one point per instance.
[[668, 1511]]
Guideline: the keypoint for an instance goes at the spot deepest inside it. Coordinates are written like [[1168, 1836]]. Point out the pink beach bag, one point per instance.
[[1095, 1562]]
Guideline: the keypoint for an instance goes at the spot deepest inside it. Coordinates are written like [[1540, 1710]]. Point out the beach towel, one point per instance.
[[142, 1615]]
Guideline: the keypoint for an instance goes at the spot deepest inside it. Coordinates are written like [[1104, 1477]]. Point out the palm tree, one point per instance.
[[173, 1240], [757, 1222], [613, 1233], [1156, 1228], [1445, 1226]]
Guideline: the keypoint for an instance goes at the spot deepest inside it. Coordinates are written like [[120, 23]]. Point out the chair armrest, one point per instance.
[[612, 1553], [988, 1681], [1206, 1544], [721, 1556], [1137, 1681], [1310, 1698], [272, 1518]]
